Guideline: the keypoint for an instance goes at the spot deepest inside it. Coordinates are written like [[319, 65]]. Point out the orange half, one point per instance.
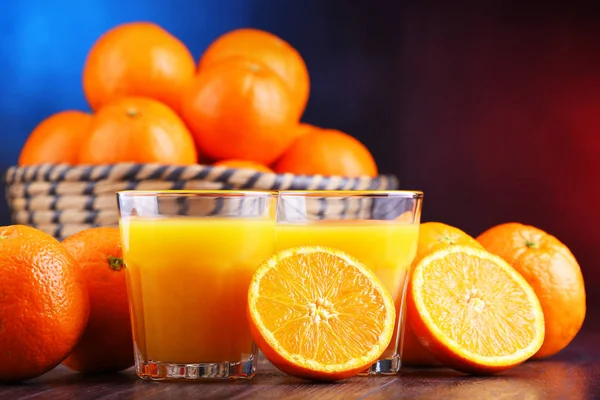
[[318, 313], [473, 311]]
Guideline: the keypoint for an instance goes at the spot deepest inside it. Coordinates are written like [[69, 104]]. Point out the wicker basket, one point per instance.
[[62, 200]]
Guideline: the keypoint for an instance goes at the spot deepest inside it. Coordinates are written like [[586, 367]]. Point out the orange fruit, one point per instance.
[[432, 236], [473, 311], [327, 152], [244, 164], [106, 344], [303, 128], [44, 304], [137, 59], [268, 50], [138, 129], [317, 313], [57, 139], [552, 271], [240, 109], [436, 235]]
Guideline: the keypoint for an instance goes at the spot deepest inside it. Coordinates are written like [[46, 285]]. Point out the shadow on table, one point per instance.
[[548, 379], [63, 376], [532, 380], [62, 383]]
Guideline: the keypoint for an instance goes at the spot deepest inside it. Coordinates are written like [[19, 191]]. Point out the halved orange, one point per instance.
[[432, 236], [318, 313], [473, 311]]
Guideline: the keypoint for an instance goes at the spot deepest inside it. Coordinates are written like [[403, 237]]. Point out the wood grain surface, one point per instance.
[[573, 374]]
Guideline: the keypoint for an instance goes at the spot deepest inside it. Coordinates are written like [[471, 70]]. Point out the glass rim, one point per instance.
[[414, 194], [199, 193]]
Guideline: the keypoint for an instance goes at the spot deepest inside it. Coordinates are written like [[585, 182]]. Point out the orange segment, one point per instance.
[[317, 313], [473, 311]]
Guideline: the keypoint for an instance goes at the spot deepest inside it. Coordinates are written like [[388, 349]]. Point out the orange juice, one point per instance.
[[188, 282], [387, 247]]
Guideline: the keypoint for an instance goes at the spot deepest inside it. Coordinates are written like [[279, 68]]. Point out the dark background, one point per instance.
[[492, 110]]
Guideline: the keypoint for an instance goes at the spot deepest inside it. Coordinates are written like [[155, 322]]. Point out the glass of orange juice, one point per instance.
[[379, 228], [189, 258]]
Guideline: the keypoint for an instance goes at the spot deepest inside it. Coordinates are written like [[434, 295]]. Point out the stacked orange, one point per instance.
[[239, 106]]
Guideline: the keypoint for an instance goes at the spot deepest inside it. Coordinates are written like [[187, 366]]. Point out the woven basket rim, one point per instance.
[[63, 198], [165, 172]]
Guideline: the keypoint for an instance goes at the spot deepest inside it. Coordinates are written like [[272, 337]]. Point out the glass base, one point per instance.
[[158, 371], [386, 366]]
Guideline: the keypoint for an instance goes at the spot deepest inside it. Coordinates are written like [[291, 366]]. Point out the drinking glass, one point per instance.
[[189, 258], [379, 228]]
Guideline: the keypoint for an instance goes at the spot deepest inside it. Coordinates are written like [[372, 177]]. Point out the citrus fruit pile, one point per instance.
[[239, 106], [62, 302]]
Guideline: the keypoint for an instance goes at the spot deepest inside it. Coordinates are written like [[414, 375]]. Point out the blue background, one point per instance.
[[44, 45], [493, 110]]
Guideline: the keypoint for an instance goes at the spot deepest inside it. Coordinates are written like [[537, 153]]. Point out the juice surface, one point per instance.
[[188, 281], [387, 247]]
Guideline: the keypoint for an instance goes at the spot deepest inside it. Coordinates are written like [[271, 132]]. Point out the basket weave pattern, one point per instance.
[[61, 200]]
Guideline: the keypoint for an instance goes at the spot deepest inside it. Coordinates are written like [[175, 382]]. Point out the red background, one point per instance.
[[501, 120]]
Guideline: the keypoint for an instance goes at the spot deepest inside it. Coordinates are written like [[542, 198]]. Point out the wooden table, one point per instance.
[[573, 374]]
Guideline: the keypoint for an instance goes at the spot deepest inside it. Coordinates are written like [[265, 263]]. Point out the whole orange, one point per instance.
[[244, 164], [57, 139], [267, 49], [435, 235], [327, 152], [138, 129], [240, 109], [44, 304], [553, 272], [303, 128], [432, 236], [106, 344], [137, 59]]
